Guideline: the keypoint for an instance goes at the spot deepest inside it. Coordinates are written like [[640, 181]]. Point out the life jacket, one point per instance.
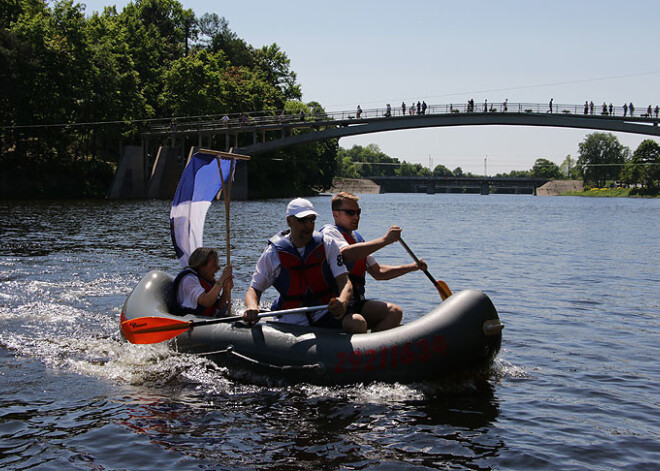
[[303, 280], [177, 309], [357, 269]]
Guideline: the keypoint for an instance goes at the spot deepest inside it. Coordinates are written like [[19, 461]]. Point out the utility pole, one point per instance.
[[485, 166]]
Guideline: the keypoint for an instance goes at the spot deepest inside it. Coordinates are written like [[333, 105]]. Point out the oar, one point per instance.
[[440, 285], [144, 330]]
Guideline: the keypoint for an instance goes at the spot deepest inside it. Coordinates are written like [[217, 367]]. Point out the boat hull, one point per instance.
[[461, 335]]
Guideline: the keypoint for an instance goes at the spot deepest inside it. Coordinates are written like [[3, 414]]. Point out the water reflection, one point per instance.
[[301, 427]]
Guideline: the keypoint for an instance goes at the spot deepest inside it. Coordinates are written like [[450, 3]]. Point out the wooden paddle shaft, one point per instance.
[[414, 257]]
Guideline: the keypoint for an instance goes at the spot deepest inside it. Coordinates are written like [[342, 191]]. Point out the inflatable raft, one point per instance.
[[461, 335]]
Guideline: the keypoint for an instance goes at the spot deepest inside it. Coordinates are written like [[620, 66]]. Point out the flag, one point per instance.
[[199, 185]]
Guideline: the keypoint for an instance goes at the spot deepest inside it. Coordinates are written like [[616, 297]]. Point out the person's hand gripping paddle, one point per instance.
[[440, 285]]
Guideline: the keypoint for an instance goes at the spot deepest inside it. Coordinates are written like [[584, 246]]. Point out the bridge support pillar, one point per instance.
[[485, 190], [165, 174], [129, 177]]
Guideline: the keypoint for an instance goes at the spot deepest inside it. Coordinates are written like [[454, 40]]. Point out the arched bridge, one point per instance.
[[272, 131]]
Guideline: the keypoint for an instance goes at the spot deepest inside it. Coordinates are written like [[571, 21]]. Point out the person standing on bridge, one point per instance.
[[631, 108], [403, 108], [611, 110], [358, 113], [625, 109], [550, 105], [356, 253], [657, 110]]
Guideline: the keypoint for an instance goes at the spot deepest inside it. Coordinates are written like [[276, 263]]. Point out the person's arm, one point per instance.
[[387, 272], [210, 297], [355, 252], [338, 307], [227, 286], [252, 298]]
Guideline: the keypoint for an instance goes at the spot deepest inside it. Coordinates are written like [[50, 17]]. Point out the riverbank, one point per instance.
[[613, 193], [355, 186], [559, 187]]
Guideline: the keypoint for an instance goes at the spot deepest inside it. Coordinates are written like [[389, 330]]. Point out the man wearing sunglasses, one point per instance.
[[307, 269], [356, 252]]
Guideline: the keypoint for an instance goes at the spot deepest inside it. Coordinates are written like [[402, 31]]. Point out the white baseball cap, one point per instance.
[[300, 208]]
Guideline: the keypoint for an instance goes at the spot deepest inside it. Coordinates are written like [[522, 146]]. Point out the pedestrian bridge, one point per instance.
[[152, 169], [260, 132]]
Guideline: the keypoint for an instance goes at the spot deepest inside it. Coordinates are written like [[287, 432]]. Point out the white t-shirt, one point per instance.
[[189, 291], [268, 269], [331, 231]]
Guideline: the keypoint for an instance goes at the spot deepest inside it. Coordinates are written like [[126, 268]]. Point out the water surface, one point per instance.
[[576, 385]]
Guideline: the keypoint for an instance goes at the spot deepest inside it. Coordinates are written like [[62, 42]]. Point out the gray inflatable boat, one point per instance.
[[461, 335]]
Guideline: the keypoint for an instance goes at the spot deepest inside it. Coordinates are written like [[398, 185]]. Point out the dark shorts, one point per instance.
[[328, 321], [356, 305]]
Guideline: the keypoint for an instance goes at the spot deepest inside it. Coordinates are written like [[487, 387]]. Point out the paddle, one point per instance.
[[440, 285], [144, 330]]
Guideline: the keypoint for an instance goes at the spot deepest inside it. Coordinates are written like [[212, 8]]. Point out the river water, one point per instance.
[[576, 385]]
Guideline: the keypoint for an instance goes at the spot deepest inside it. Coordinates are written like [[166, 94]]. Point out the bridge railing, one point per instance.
[[278, 118]]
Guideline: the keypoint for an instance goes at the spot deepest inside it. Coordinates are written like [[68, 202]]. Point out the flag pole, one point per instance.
[[226, 191]]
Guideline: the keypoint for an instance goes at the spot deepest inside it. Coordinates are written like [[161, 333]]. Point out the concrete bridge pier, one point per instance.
[[129, 179]]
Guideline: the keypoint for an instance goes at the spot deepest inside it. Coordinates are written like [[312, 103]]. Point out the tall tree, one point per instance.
[[569, 167], [442, 171], [644, 166], [601, 158], [543, 168]]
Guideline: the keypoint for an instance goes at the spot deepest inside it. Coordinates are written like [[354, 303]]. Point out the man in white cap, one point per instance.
[[306, 269]]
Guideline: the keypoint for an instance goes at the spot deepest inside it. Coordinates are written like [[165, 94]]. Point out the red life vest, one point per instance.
[[303, 280], [356, 270]]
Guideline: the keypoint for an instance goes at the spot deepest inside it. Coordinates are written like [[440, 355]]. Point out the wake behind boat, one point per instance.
[[461, 335]]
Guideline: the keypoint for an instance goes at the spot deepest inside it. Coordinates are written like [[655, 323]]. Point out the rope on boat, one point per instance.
[[230, 350]]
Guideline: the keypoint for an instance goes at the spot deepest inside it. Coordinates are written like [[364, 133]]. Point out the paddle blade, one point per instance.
[[443, 289], [144, 330]]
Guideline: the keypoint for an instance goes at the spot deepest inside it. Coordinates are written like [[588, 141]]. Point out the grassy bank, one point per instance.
[[613, 193]]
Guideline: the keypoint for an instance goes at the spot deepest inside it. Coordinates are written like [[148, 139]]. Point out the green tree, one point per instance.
[[601, 158], [274, 64], [569, 168], [543, 168], [442, 171], [195, 84], [644, 166], [368, 161], [412, 170]]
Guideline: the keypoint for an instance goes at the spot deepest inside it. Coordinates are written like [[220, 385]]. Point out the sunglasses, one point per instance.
[[307, 219], [351, 212]]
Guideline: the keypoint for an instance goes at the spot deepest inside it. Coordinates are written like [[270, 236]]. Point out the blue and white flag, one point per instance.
[[199, 185]]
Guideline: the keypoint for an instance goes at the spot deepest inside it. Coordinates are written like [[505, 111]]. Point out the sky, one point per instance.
[[369, 53]]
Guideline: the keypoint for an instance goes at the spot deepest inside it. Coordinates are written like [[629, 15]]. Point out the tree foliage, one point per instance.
[[74, 87], [601, 158], [543, 168], [569, 168], [366, 161], [644, 166]]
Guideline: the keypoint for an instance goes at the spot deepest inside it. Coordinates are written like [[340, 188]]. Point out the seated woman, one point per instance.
[[195, 290]]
